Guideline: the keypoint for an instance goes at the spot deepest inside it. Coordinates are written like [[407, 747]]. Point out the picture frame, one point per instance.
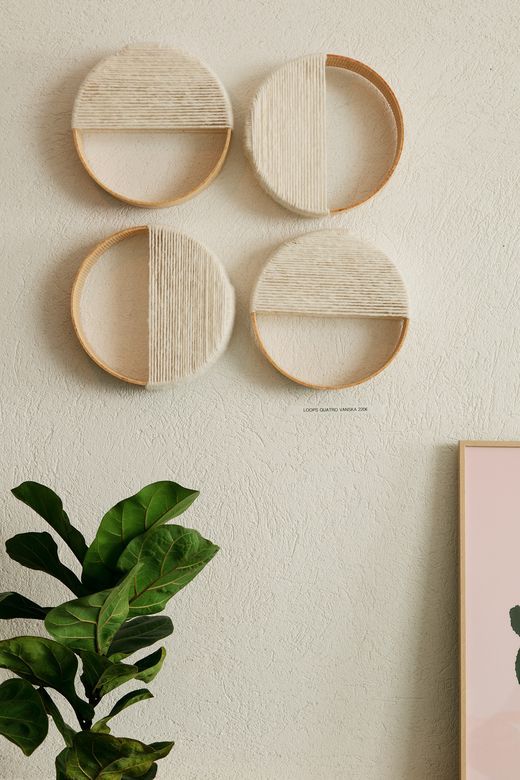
[[489, 488]]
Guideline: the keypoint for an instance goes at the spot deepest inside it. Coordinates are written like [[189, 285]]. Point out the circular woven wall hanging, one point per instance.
[[151, 89], [187, 307], [286, 132], [329, 276]]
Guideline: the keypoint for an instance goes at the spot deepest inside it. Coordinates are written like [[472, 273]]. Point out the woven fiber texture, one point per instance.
[[191, 307], [286, 135], [329, 273], [149, 87]]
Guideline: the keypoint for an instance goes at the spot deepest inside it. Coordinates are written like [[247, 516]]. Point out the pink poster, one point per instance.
[[490, 585]]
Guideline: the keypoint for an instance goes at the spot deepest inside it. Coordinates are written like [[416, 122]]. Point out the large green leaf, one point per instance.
[[48, 505], [12, 605], [100, 675], [148, 776], [93, 667], [138, 633], [149, 667], [103, 757], [66, 731], [23, 719], [61, 763], [134, 697], [169, 558], [154, 505], [47, 663], [90, 623], [39, 551]]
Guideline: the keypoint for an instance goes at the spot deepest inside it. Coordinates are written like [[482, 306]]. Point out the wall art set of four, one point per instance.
[[322, 274]]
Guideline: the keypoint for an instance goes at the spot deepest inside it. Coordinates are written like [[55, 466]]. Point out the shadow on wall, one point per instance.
[[55, 143], [236, 183], [57, 328], [58, 332], [64, 170], [241, 185], [58, 155], [244, 353], [433, 730]]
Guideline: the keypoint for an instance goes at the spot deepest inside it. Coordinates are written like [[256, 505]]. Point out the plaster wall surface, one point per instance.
[[321, 643]]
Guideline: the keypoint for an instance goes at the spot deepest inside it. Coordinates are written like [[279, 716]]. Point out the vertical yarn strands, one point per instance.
[[286, 135], [191, 307]]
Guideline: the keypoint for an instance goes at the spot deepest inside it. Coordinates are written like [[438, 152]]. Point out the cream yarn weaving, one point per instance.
[[329, 273], [285, 132], [285, 135], [151, 88], [191, 306]]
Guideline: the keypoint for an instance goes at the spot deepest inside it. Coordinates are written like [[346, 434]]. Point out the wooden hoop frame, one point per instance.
[[158, 204], [405, 322], [355, 66], [77, 290]]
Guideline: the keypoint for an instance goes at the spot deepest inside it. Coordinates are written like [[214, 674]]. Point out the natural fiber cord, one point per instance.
[[149, 87], [286, 138], [191, 307], [286, 133], [330, 274]]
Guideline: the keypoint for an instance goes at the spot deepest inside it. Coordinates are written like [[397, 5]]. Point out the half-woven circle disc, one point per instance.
[[329, 274], [150, 88], [189, 308], [286, 138]]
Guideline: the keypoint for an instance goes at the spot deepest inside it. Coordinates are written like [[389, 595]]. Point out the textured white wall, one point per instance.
[[321, 643]]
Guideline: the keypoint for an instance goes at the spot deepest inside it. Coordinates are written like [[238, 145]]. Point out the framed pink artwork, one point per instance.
[[489, 611]]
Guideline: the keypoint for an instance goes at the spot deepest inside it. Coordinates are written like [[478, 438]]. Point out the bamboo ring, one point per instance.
[[156, 89], [347, 63], [155, 204], [329, 273], [286, 133], [77, 291]]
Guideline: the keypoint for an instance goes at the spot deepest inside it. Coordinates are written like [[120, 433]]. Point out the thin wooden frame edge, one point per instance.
[[488, 443], [372, 76], [462, 610], [77, 289], [156, 204], [405, 324], [463, 446]]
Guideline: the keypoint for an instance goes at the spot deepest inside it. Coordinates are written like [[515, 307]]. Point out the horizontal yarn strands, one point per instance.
[[151, 88], [330, 274], [286, 136], [191, 307]]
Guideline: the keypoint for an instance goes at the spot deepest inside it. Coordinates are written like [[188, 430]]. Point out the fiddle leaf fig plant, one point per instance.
[[135, 565]]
